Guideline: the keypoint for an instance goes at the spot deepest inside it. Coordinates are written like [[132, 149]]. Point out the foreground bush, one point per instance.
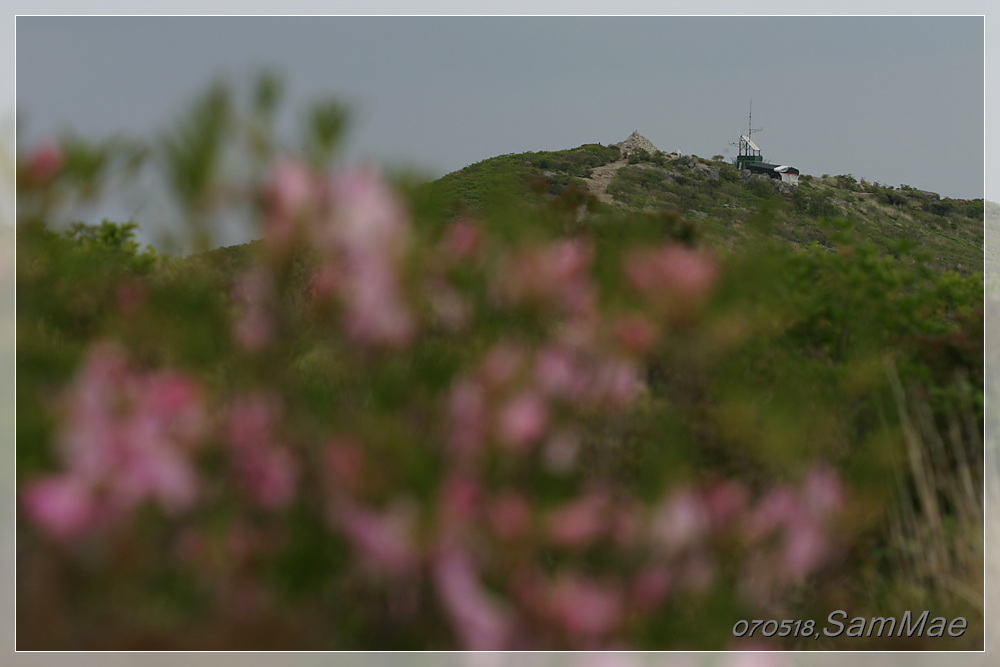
[[385, 427]]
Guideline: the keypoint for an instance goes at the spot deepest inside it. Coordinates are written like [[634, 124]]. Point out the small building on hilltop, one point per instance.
[[749, 153], [782, 172], [749, 158]]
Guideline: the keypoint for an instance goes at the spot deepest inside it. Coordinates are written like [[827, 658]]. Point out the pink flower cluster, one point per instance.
[[266, 467], [675, 546], [799, 518], [479, 539], [513, 397], [127, 437], [553, 276], [384, 539], [673, 278], [513, 403], [517, 400], [791, 525], [361, 231]]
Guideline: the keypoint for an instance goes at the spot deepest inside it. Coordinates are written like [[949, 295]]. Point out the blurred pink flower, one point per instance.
[[466, 419], [290, 188], [45, 162], [174, 400], [61, 505], [290, 195], [725, 501], [326, 281], [650, 587], [156, 472], [586, 610], [367, 234], [557, 372], [554, 275], [254, 330], [375, 309], [823, 491], [799, 517], [580, 521], [614, 382], [523, 420], [776, 509], [252, 421], [672, 271], [593, 377], [509, 515], [460, 496], [268, 469], [502, 364], [637, 334], [479, 620], [270, 474], [462, 238], [680, 522], [125, 437], [384, 540], [806, 548], [368, 218], [344, 463]]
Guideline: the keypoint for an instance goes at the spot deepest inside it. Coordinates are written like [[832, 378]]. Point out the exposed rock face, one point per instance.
[[634, 141], [705, 170]]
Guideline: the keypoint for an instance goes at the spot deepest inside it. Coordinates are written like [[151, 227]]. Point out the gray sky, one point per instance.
[[890, 99]]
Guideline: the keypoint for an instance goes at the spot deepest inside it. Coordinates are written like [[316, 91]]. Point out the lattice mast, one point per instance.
[[748, 150]]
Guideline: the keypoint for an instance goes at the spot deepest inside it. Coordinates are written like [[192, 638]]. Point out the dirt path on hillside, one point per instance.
[[601, 177]]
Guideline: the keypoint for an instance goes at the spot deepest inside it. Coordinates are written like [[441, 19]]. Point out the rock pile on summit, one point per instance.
[[636, 141]]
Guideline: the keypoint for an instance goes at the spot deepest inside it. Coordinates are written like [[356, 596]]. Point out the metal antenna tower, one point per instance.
[[750, 129], [749, 152]]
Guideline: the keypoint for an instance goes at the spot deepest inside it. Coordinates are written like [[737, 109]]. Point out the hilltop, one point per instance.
[[721, 202]]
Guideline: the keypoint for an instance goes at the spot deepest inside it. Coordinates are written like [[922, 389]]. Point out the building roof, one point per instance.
[[764, 166]]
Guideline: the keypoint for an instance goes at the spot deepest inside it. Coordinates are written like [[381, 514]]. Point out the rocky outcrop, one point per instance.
[[635, 141], [705, 170], [698, 167]]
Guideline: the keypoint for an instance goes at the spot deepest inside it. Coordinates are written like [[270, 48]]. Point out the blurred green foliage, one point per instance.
[[820, 291]]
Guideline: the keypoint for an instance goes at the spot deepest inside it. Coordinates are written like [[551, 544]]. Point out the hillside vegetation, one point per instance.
[[722, 204]]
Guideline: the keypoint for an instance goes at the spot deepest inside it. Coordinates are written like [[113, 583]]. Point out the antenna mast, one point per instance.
[[750, 129], [749, 151]]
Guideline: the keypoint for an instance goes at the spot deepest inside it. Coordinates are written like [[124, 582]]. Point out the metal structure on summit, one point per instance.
[[749, 158], [749, 152]]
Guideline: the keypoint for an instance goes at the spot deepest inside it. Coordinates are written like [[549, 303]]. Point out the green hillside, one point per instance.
[[721, 203]]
